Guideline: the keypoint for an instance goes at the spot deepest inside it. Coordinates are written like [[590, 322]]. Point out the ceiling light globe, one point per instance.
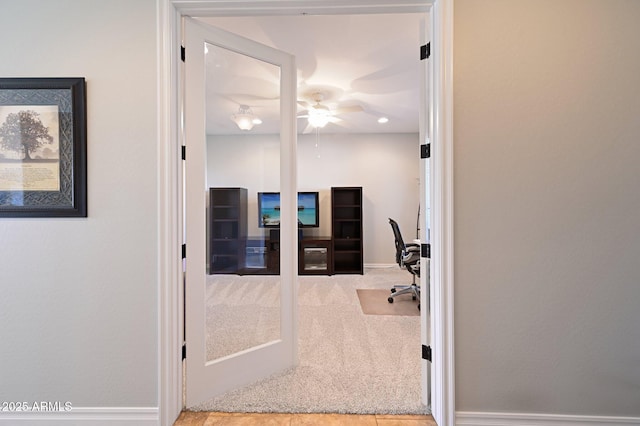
[[245, 119], [244, 122], [319, 116], [318, 121]]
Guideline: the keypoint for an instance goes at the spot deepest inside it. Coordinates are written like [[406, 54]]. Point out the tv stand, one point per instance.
[[315, 256]]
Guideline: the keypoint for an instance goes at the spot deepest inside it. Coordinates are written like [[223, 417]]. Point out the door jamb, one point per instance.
[[170, 298]]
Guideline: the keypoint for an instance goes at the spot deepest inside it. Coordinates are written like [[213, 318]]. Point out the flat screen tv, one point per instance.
[[269, 210]]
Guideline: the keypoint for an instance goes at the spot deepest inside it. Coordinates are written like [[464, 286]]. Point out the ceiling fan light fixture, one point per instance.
[[245, 119], [319, 116]]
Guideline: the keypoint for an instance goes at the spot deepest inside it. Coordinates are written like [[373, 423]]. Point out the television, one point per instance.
[[269, 210]]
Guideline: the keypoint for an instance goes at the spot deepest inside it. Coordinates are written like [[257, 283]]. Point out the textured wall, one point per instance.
[[547, 236], [79, 296]]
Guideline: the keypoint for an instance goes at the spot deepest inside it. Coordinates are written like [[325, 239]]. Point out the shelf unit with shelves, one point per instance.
[[346, 230], [227, 229]]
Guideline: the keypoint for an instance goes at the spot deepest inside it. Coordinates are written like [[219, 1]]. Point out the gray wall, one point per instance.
[[547, 236], [386, 166], [79, 296]]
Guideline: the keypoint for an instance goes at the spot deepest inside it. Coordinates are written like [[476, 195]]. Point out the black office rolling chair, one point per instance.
[[407, 256]]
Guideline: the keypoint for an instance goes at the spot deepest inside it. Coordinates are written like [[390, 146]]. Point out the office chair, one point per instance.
[[408, 257]]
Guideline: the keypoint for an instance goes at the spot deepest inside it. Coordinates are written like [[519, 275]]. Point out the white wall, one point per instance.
[[547, 236], [79, 296], [385, 165]]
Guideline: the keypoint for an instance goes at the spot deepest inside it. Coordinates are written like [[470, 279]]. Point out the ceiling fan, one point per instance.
[[319, 114]]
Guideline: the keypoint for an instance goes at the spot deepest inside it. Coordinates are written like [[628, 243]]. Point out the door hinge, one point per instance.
[[425, 250], [184, 251], [184, 351], [182, 53], [426, 352], [184, 152], [425, 150], [425, 51]]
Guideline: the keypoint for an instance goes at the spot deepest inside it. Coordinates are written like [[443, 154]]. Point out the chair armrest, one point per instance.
[[411, 254], [412, 248]]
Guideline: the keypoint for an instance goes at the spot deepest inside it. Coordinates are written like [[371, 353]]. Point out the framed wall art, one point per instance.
[[43, 147]]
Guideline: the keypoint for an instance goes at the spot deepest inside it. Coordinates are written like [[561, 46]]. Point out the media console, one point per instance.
[[232, 251], [315, 256]]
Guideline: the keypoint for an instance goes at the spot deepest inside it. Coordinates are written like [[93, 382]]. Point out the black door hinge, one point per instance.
[[184, 251], [425, 51], [182, 53], [184, 152], [425, 251], [426, 352], [425, 150], [184, 351]]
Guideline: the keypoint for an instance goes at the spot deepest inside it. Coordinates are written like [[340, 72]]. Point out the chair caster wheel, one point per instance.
[[390, 300], [413, 298], [418, 306], [393, 290]]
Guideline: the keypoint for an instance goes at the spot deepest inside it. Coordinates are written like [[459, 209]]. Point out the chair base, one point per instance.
[[398, 290]]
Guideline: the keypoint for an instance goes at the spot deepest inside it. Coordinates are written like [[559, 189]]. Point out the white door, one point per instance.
[[240, 317]]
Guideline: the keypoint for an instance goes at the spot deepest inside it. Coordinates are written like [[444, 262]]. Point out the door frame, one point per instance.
[[170, 215]]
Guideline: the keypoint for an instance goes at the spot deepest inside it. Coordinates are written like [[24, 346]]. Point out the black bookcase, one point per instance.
[[346, 230], [227, 229]]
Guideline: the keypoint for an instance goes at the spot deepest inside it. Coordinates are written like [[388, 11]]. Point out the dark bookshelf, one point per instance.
[[227, 229], [346, 230]]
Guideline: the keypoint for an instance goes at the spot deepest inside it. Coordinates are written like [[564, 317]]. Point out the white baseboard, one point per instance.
[[380, 265], [84, 416], [465, 418]]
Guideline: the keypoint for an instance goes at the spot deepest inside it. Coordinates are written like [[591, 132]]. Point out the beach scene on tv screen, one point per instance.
[[307, 209], [270, 209]]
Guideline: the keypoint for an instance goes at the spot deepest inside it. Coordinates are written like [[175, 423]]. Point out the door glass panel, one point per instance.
[[242, 294]]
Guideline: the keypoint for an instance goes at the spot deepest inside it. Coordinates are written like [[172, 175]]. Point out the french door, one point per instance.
[[239, 327]]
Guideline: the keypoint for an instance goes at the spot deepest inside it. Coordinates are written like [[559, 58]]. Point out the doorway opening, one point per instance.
[[369, 65], [171, 299]]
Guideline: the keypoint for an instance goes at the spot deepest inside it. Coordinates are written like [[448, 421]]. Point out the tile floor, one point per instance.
[[191, 418]]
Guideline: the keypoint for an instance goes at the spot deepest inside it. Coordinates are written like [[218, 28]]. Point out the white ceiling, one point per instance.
[[366, 60]]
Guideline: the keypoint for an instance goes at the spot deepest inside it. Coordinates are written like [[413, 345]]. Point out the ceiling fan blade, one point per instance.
[[308, 129], [345, 109]]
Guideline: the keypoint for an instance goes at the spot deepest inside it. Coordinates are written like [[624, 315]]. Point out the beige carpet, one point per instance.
[[374, 302], [349, 362]]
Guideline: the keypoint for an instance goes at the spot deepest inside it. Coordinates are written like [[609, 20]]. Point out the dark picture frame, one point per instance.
[[43, 147]]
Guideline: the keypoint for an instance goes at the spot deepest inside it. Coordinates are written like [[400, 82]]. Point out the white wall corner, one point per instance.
[[468, 418]]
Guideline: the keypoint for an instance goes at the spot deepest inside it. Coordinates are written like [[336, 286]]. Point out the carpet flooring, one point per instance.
[[350, 362]]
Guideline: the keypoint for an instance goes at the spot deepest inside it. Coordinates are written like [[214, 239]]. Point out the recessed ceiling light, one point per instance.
[[383, 120]]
